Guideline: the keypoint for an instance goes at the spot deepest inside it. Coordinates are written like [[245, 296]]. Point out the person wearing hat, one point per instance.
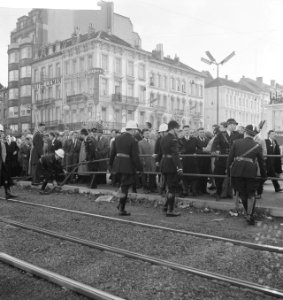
[[5, 179], [36, 152], [102, 150], [222, 145], [170, 166], [242, 163], [125, 162], [51, 167]]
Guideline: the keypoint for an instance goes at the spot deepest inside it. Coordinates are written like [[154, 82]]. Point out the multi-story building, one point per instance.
[[3, 103], [105, 79], [42, 27], [235, 101]]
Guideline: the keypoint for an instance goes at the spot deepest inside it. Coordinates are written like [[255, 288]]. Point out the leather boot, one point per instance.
[[122, 205], [250, 210], [171, 204]]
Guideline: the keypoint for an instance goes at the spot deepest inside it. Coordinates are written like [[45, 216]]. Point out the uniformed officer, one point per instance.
[[170, 166], [242, 167], [125, 162], [221, 145]]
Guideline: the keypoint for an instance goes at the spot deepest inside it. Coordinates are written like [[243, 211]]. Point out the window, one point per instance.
[[25, 127], [103, 113], [26, 52], [25, 71], [142, 117], [50, 71], [35, 76], [172, 103], [14, 127], [67, 68], [13, 112], [158, 80], [141, 71], [117, 87], [25, 90], [118, 66], [104, 87], [142, 94], [58, 92], [13, 57], [164, 100], [89, 62], [130, 69], [183, 86], [130, 91], [58, 70], [172, 83], [13, 94], [74, 66], [82, 64], [151, 79], [14, 75], [42, 74], [35, 95], [178, 85], [165, 82], [104, 62], [25, 110], [50, 92]]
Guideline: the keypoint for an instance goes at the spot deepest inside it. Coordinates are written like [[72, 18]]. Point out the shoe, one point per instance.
[[278, 190], [124, 213], [212, 188], [172, 214], [35, 183], [10, 196], [258, 197], [250, 220], [44, 193], [165, 209]]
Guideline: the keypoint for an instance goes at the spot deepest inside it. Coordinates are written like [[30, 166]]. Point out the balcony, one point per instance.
[[78, 98], [125, 100], [278, 100], [179, 112], [158, 108], [45, 102]]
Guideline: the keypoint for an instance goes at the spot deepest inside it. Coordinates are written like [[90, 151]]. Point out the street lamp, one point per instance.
[[212, 61]]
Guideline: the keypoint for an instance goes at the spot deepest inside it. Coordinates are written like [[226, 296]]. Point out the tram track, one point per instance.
[[60, 280], [149, 259], [260, 247]]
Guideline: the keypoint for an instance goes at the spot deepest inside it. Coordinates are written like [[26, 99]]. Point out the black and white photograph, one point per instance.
[[141, 150]]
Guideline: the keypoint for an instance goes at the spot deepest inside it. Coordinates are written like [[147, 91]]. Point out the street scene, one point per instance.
[[141, 155]]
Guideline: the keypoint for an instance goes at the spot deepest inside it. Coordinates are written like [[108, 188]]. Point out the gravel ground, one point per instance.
[[118, 275], [18, 285]]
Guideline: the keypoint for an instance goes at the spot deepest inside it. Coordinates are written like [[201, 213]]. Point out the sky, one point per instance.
[[188, 28]]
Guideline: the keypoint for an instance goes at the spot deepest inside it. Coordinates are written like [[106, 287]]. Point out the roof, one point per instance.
[[224, 82], [254, 85]]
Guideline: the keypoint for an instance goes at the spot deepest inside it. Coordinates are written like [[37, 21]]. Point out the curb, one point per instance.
[[188, 202]]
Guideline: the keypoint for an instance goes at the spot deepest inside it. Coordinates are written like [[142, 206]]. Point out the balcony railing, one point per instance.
[[45, 102], [278, 100], [179, 112], [129, 100], [76, 98]]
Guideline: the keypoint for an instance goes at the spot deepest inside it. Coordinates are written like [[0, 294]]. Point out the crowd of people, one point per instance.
[[85, 154]]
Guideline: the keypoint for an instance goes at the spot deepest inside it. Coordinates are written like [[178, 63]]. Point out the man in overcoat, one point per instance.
[[36, 153], [242, 163], [170, 166], [146, 147], [273, 164], [125, 162]]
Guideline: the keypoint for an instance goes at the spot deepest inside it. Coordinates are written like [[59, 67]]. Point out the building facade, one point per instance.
[[98, 77], [3, 103], [235, 101], [28, 42]]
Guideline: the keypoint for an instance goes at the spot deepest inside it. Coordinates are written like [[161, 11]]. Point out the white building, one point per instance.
[[235, 101]]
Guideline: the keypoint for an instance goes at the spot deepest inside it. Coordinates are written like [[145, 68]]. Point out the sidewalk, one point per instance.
[[271, 202]]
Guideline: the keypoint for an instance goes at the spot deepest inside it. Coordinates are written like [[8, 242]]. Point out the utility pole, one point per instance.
[[213, 61]]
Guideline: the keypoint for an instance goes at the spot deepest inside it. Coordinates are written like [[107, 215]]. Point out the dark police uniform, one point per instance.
[[243, 171], [125, 162], [169, 166], [222, 143]]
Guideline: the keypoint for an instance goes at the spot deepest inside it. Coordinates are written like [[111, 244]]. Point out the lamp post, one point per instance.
[[212, 61]]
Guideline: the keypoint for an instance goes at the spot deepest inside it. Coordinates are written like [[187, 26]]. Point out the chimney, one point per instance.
[[176, 58], [159, 49], [259, 80], [90, 29], [272, 83], [226, 77]]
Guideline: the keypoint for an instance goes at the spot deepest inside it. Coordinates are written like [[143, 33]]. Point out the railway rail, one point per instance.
[[261, 247], [137, 256], [60, 280]]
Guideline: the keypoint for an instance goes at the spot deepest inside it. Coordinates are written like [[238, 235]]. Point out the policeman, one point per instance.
[[221, 145], [5, 179], [170, 166], [125, 162], [242, 167], [51, 168]]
